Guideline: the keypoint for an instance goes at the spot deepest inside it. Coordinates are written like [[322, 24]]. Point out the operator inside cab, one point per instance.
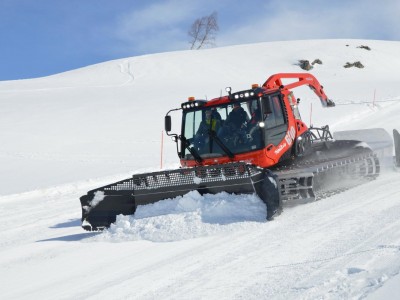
[[210, 122], [235, 121]]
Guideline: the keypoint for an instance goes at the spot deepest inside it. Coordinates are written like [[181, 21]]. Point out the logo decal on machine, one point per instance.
[[289, 138], [290, 135]]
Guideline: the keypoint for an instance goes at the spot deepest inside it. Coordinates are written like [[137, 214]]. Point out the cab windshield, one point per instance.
[[236, 125]]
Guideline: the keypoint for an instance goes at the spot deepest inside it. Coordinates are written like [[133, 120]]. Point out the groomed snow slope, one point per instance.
[[65, 134]]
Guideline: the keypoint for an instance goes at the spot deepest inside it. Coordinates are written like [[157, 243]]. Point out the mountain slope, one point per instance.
[[68, 133], [108, 118]]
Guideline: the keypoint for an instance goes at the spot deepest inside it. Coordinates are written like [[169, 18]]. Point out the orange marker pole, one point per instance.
[[373, 102], [162, 148]]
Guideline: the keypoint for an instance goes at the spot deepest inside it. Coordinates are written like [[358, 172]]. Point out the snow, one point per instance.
[[66, 134], [188, 217], [98, 197]]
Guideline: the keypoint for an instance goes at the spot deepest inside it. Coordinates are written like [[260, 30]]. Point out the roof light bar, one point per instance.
[[243, 95], [192, 104]]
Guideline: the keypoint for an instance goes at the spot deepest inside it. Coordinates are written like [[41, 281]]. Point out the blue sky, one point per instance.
[[44, 37]]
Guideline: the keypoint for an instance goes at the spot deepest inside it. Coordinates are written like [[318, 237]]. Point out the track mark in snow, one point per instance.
[[326, 259], [351, 271], [390, 247], [125, 68]]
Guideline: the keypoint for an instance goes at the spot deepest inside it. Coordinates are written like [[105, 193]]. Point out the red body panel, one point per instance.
[[271, 155]]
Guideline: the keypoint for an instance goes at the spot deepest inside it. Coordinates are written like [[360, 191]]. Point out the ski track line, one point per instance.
[[171, 270], [128, 265], [360, 254], [196, 271], [262, 248], [225, 258]]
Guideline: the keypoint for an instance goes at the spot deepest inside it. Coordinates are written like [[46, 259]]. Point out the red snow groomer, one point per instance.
[[251, 141]]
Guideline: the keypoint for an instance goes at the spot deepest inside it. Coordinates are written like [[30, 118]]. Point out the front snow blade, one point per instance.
[[101, 206]]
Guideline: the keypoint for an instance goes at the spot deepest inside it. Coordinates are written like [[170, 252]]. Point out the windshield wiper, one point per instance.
[[192, 150], [214, 136]]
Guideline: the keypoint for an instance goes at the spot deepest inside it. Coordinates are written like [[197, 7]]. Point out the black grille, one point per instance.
[[196, 175]]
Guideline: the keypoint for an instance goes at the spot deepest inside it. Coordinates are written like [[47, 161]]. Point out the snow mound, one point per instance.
[[187, 217]]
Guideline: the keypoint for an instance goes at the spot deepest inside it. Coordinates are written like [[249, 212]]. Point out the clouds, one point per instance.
[[156, 16], [161, 25], [317, 19]]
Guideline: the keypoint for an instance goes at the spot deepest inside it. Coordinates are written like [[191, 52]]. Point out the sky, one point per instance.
[[45, 37]]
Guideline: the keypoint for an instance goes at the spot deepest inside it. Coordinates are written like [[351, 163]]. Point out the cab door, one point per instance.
[[275, 119]]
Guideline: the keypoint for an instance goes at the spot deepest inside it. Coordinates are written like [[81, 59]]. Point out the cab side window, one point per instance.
[[192, 123], [276, 117]]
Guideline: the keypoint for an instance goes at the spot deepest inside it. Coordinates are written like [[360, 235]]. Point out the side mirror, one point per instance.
[[168, 123]]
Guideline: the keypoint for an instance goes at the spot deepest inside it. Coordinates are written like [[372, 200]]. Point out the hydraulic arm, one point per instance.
[[275, 82]]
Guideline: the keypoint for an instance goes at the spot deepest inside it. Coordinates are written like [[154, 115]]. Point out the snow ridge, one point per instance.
[[187, 217]]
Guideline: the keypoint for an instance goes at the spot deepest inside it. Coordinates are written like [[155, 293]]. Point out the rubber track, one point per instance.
[[314, 180]]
